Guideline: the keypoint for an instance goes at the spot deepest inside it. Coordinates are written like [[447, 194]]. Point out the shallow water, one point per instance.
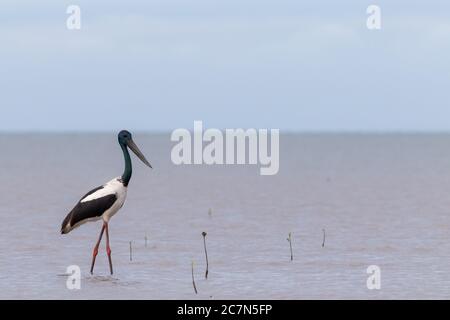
[[382, 199]]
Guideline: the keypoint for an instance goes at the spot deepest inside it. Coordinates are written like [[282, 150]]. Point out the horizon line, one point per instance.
[[282, 131]]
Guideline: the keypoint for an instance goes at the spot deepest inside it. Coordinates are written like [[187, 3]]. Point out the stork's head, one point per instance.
[[124, 136], [126, 140]]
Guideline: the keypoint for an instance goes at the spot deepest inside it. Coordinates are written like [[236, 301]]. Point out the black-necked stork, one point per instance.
[[103, 202]]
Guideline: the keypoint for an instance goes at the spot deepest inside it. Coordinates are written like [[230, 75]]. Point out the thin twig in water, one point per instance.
[[206, 254], [193, 281], [131, 252], [289, 239], [146, 240], [210, 212], [323, 242]]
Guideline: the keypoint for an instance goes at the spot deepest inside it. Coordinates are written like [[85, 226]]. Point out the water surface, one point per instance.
[[382, 199]]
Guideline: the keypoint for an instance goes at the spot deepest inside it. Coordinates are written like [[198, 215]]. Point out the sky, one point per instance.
[[158, 65]]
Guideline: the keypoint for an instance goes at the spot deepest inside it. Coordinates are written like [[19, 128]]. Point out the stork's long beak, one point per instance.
[[133, 147]]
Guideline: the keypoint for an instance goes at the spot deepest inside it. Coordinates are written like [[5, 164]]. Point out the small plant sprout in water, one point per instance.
[[289, 239], [131, 251], [323, 242], [146, 240], [206, 254], [210, 212], [193, 280]]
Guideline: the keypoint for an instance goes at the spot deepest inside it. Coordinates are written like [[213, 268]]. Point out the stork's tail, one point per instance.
[[65, 226]]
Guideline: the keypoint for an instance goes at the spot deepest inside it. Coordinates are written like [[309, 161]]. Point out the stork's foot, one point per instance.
[[108, 248], [108, 251], [95, 251], [94, 255]]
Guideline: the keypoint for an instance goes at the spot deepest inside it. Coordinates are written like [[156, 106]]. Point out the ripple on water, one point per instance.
[[110, 280]]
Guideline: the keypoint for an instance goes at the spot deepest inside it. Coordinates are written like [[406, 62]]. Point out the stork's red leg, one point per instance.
[[95, 252], [108, 249]]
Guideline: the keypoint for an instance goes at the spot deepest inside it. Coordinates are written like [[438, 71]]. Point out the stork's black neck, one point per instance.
[[126, 176]]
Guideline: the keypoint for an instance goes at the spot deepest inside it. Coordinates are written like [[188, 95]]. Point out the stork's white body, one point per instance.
[[100, 203], [115, 187]]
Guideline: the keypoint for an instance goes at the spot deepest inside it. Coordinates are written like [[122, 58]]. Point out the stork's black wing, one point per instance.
[[84, 211]]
